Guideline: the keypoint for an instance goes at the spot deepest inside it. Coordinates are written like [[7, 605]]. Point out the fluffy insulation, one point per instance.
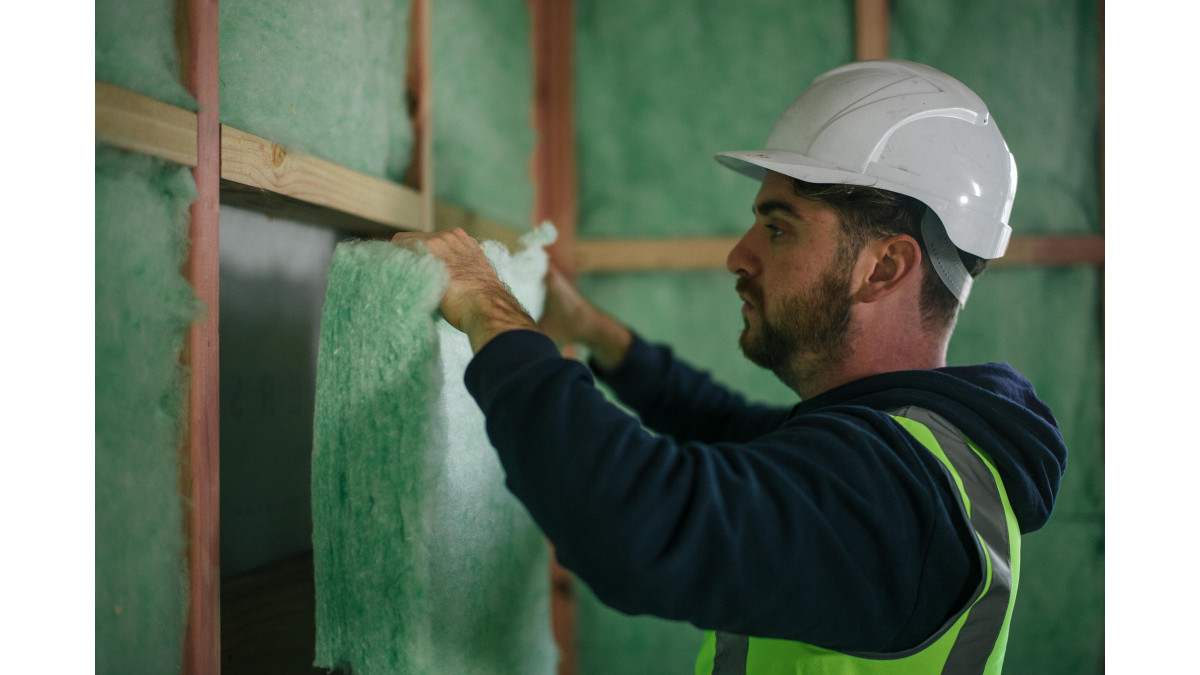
[[321, 78], [143, 307], [424, 563], [136, 49]]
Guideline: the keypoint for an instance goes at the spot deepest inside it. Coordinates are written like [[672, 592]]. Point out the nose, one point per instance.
[[742, 260]]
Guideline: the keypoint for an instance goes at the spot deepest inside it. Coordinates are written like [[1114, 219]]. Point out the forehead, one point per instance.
[[776, 196]]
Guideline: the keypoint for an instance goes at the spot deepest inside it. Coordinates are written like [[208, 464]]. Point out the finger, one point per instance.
[[404, 236], [413, 241], [464, 238]]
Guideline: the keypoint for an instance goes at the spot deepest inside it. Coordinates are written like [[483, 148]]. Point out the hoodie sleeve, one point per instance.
[[831, 529], [672, 398]]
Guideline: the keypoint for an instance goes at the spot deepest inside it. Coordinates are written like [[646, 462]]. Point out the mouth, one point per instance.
[[750, 301]]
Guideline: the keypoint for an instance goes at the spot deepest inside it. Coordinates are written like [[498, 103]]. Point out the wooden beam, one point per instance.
[[255, 172], [617, 255], [552, 26], [449, 216], [130, 121], [1053, 251], [419, 86], [259, 174], [262, 175], [200, 460], [871, 21], [252, 162], [612, 255], [553, 165]]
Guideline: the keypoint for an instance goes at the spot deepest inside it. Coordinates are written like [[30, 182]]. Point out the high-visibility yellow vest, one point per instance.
[[972, 641]]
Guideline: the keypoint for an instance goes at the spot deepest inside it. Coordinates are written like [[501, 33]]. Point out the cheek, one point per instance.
[[787, 276]]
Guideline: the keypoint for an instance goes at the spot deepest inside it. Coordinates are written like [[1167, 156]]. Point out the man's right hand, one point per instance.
[[568, 318]]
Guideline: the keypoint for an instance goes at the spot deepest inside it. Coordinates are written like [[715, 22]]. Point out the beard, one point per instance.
[[806, 333]]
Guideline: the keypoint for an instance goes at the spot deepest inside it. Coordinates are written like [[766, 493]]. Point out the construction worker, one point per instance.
[[876, 526]]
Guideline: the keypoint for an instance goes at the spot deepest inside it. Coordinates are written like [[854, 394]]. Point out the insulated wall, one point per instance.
[[482, 108], [149, 64], [329, 80], [143, 309], [660, 88], [323, 79]]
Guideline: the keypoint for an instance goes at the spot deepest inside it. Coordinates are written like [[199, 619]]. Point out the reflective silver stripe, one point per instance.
[[979, 635], [731, 653]]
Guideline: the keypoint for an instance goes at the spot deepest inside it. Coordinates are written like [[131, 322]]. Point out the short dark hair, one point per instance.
[[867, 214]]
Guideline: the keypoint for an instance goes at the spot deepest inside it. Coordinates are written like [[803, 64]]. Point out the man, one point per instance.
[[874, 527]]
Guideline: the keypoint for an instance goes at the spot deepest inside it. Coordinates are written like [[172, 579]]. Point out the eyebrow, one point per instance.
[[772, 206]]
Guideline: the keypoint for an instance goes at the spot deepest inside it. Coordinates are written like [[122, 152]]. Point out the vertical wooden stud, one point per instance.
[[554, 172], [200, 462], [871, 19], [419, 82], [552, 27]]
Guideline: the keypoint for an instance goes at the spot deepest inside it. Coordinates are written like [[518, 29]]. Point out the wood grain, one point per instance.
[[552, 30], [255, 162], [871, 25], [131, 121], [200, 458], [552, 27]]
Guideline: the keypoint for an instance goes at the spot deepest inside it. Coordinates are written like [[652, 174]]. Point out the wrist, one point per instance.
[[493, 318], [608, 340]]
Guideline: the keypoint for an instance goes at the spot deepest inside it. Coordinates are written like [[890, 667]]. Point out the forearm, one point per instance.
[[608, 340]]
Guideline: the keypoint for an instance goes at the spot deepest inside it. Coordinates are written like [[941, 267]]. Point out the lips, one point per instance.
[[750, 296]]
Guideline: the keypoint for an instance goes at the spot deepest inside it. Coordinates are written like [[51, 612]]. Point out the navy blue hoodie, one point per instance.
[[827, 523]]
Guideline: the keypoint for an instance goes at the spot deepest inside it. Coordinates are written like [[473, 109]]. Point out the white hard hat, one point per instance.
[[907, 128]]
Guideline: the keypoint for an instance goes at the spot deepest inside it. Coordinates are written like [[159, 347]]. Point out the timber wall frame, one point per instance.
[[237, 168]]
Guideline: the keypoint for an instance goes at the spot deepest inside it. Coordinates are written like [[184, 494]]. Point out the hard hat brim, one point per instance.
[[986, 242]]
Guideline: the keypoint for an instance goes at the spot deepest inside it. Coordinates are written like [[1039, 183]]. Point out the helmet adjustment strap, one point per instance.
[[943, 254]]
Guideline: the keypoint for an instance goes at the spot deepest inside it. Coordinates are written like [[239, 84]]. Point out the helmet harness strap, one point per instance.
[[943, 254]]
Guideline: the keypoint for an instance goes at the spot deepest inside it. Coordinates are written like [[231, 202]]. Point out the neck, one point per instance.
[[870, 351]]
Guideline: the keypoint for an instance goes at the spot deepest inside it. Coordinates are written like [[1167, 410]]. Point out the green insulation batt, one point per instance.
[[483, 136], [424, 563], [662, 86], [321, 78], [135, 49], [143, 308]]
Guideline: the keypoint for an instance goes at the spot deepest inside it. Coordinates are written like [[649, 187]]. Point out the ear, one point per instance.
[[888, 264]]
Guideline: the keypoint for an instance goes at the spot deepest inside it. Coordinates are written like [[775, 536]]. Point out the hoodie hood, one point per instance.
[[994, 406]]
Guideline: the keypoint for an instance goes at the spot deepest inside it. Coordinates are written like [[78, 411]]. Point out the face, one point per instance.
[[794, 283]]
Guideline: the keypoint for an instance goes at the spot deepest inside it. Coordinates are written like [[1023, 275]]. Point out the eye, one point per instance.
[[773, 230]]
